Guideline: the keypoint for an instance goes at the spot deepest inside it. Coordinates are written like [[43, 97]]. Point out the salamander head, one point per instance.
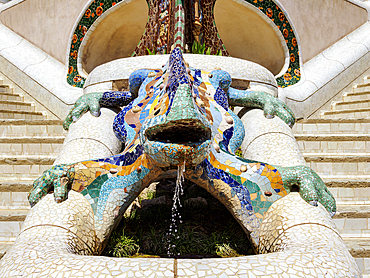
[[176, 130]]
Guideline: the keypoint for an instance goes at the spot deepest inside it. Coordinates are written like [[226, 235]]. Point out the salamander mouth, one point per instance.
[[179, 132]]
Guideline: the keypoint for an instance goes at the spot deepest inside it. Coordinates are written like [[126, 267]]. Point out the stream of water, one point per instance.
[[175, 214]]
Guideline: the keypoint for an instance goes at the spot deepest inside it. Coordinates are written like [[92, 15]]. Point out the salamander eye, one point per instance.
[[223, 78]]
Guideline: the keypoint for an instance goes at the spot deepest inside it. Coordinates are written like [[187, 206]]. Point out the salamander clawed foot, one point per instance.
[[56, 179]]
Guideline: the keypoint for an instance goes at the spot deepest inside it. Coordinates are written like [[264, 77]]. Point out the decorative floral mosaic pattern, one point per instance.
[[268, 7], [277, 16], [95, 10]]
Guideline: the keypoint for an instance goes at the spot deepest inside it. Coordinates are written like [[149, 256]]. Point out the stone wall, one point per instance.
[[46, 24], [320, 24]]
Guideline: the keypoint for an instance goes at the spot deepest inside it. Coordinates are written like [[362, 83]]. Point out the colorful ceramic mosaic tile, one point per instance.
[[178, 33], [278, 17], [179, 115], [91, 14]]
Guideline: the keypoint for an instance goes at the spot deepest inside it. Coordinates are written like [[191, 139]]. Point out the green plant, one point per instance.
[[208, 231], [151, 52], [198, 48], [239, 152], [208, 51], [146, 195], [122, 245], [224, 250], [150, 194]]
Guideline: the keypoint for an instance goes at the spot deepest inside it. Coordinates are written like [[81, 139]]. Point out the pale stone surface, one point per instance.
[[317, 27], [90, 138], [27, 15], [43, 78], [25, 59], [113, 38], [304, 236], [339, 52], [327, 73], [269, 140], [267, 51]]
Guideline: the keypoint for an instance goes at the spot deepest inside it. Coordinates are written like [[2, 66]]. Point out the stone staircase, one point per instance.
[[337, 147], [29, 143]]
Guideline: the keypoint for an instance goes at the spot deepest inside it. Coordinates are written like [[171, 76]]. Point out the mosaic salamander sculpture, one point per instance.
[[174, 117]]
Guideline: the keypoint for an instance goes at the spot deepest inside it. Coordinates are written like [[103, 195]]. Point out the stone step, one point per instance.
[[355, 96], [24, 165], [358, 113], [360, 250], [31, 145], [15, 114], [332, 126], [350, 196], [347, 181], [21, 127], [364, 87], [36, 172], [17, 105], [339, 105], [4, 247], [352, 211], [364, 265], [6, 88], [27, 159], [366, 80], [13, 215], [333, 143], [32, 139], [336, 157], [353, 220], [359, 247], [13, 186], [327, 164], [9, 230], [14, 195], [10, 96], [14, 201], [365, 83]]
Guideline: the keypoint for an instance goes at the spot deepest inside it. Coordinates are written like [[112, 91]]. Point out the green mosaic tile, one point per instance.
[[236, 178], [252, 187]]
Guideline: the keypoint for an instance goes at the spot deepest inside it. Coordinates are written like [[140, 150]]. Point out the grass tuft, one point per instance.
[[122, 245], [206, 231]]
